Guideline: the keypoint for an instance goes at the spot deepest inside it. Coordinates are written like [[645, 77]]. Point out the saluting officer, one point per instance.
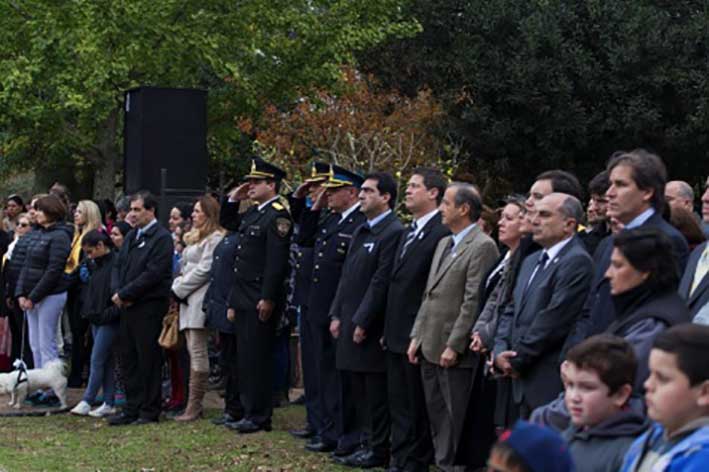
[[328, 227], [257, 297], [301, 201]]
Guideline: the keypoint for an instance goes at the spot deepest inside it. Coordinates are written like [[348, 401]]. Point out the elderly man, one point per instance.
[[679, 194], [551, 288], [440, 334]]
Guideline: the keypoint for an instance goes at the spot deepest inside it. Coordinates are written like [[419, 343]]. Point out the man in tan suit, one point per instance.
[[450, 304]]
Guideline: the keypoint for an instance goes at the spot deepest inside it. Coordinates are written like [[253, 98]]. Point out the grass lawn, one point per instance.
[[70, 443]]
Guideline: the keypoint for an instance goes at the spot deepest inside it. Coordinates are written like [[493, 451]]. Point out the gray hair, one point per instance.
[[571, 208], [467, 193], [123, 204], [683, 188]]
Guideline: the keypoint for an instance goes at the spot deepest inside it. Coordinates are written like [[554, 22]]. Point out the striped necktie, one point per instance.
[[409, 238]]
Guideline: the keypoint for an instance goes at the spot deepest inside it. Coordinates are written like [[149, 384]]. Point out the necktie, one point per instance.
[[409, 238], [139, 233], [701, 271], [446, 252], [539, 267]]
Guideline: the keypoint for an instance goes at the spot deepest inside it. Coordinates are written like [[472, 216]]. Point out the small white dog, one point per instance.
[[50, 376]]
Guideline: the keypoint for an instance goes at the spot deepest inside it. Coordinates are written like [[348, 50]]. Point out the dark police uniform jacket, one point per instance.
[[362, 295], [261, 254], [329, 240]]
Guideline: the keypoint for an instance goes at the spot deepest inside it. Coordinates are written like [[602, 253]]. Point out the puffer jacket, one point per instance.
[[42, 272], [689, 454], [13, 266]]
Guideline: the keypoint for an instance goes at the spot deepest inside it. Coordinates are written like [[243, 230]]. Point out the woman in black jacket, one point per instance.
[[41, 286], [104, 316]]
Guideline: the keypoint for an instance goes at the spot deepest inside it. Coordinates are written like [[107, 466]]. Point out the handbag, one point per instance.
[[170, 334]]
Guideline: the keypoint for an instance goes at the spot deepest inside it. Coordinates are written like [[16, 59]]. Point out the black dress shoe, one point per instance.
[[142, 421], [318, 445], [121, 419], [366, 460], [247, 426], [224, 419], [341, 451], [343, 460], [305, 433]]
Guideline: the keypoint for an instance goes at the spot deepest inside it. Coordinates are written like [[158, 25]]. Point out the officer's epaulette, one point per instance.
[[278, 206]]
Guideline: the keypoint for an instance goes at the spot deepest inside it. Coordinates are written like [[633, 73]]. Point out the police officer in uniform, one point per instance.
[[301, 201], [327, 227], [257, 297]]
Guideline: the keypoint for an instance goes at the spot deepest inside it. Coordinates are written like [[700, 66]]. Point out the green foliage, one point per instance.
[[64, 66], [539, 84]]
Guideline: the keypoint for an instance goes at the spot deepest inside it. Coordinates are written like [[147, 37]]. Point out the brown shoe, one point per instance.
[[198, 387]]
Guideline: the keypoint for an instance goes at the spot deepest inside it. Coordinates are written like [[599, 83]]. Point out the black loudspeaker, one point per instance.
[[165, 129]]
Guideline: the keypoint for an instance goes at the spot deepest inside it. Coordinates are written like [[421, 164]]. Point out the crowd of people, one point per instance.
[[540, 335]]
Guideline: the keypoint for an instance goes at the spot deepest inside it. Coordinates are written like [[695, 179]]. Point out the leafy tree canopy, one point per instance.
[[532, 85], [64, 66]]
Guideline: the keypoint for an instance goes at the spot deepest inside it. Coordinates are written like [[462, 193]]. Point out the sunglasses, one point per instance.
[[23, 225]]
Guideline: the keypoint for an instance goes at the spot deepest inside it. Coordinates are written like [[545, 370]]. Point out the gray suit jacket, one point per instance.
[[698, 302], [541, 319], [450, 302]]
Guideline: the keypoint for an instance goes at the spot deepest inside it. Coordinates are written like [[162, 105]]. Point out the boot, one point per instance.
[[198, 387]]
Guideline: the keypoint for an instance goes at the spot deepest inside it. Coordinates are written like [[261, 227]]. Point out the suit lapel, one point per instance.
[[462, 248], [703, 285], [542, 274], [423, 234]]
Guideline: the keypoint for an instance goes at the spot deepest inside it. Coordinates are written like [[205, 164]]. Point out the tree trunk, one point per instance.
[[106, 158]]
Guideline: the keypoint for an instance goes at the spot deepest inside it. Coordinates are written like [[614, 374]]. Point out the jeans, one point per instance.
[[101, 375], [42, 323]]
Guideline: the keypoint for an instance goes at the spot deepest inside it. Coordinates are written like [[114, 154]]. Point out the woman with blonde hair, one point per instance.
[[87, 217], [189, 288]]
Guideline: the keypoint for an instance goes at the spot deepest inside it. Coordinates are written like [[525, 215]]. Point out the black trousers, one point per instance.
[[411, 446], [80, 338], [142, 357], [311, 374], [370, 393], [255, 343], [16, 317], [229, 352]]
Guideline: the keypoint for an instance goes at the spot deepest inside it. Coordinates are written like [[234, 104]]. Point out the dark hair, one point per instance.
[[52, 207], [17, 199], [688, 224], [185, 209], [61, 191], [649, 250], [123, 227], [562, 182], [433, 178], [599, 184], [611, 357], [647, 170], [690, 343], [385, 184], [510, 457], [150, 202], [466, 193], [95, 236]]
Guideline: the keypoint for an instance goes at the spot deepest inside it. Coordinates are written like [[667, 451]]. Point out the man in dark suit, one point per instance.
[[551, 288], [258, 295], [326, 229], [636, 198], [411, 447], [357, 315], [142, 278], [694, 286]]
